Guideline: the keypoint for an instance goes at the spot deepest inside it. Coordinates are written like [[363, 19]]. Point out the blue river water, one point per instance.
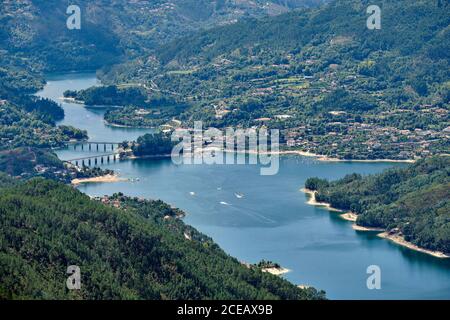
[[254, 217]]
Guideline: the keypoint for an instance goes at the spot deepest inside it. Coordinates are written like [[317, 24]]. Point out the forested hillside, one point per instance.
[[136, 252], [25, 163], [112, 29], [34, 39], [20, 127], [415, 199], [24, 160], [335, 87]]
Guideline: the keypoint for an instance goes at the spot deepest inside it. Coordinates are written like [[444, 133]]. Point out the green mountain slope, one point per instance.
[[415, 199], [34, 39], [110, 29], [136, 252], [331, 43], [336, 87], [345, 18], [20, 127]]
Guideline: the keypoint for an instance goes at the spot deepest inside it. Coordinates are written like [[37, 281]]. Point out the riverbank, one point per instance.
[[317, 157], [400, 240], [288, 244], [349, 216], [210, 150], [71, 100], [276, 271], [328, 159], [366, 229], [115, 125], [156, 156], [313, 202], [382, 233], [109, 178]]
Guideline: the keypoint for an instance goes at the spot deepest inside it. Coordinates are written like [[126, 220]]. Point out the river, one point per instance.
[[271, 220]]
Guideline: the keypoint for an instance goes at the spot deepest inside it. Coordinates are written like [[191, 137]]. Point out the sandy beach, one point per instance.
[[349, 216], [276, 271], [366, 229], [114, 125], [328, 159], [109, 178], [398, 239], [312, 201], [303, 286], [318, 157]]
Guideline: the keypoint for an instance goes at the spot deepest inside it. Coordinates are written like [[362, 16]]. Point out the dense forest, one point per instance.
[[415, 199], [124, 253], [28, 162], [112, 31], [24, 160], [134, 105], [156, 144], [109, 96], [20, 127], [159, 113]]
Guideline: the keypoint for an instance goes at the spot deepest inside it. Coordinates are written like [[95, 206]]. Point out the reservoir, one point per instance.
[[254, 217]]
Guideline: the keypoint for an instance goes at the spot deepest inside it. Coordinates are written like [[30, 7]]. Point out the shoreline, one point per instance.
[[349, 216], [328, 159], [313, 202], [318, 157], [109, 178], [252, 152], [276, 271], [114, 125], [71, 100], [400, 240], [367, 229], [382, 233], [156, 157]]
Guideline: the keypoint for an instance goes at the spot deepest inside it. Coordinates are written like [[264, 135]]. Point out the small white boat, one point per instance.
[[239, 195], [192, 193]]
